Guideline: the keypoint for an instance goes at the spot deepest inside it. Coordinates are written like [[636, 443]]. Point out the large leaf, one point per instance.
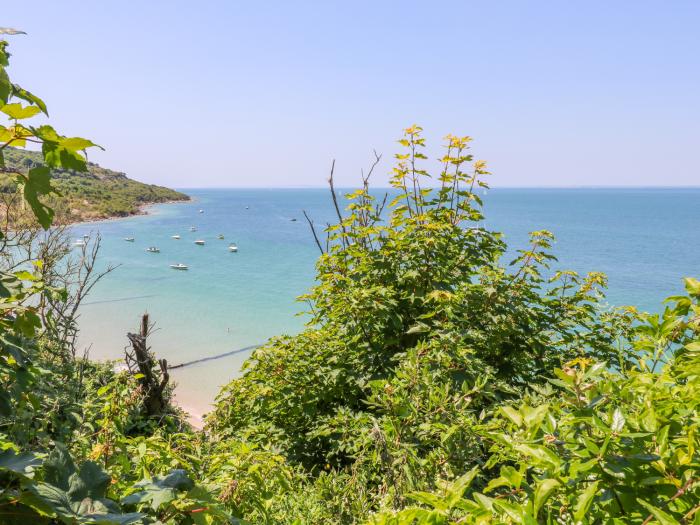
[[160, 490], [10, 285], [584, 501], [89, 482], [544, 490], [25, 95], [540, 453], [17, 112], [54, 499], [37, 183], [22, 463], [62, 152], [59, 467]]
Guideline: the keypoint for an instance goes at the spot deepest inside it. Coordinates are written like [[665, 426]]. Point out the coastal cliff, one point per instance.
[[99, 193]]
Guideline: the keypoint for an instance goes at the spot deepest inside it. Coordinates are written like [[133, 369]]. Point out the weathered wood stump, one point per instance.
[[141, 361]]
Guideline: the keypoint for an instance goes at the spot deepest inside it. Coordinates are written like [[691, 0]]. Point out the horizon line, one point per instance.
[[324, 187]]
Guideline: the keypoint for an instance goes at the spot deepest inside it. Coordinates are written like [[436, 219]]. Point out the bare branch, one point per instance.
[[313, 231], [335, 203]]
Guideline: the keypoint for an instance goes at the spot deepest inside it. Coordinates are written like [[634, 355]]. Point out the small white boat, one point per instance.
[[193, 229], [232, 247], [153, 249], [79, 243], [86, 237], [201, 211], [129, 239], [247, 207], [200, 242], [179, 266], [221, 236], [176, 237]]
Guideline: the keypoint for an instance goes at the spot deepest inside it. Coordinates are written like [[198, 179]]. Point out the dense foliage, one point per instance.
[[435, 383], [96, 193]]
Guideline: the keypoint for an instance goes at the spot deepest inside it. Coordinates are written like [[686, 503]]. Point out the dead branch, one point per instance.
[[313, 231]]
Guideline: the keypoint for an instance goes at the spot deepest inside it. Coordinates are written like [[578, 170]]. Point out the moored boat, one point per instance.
[[232, 247], [153, 249], [200, 242], [179, 266], [176, 237], [129, 239]]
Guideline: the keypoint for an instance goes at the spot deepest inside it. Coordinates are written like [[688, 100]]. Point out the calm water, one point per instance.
[[644, 239]]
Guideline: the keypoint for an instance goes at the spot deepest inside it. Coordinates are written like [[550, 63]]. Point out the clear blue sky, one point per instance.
[[225, 93]]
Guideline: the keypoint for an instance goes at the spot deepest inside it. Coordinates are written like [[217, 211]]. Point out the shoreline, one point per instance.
[[195, 419], [142, 210]]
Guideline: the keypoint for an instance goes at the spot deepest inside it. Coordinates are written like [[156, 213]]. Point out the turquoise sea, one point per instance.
[[646, 240]]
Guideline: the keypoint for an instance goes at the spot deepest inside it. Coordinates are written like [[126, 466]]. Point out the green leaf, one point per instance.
[[59, 467], [662, 517], [27, 323], [540, 453], [25, 95], [17, 112], [77, 143], [692, 286], [543, 492], [160, 490], [512, 414], [37, 183], [57, 156], [583, 503], [10, 285], [458, 486], [618, 421], [418, 328], [89, 482], [22, 463], [536, 415], [53, 498]]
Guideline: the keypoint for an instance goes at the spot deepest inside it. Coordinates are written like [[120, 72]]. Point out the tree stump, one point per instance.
[[141, 361]]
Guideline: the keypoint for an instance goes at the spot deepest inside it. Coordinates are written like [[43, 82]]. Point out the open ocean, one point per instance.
[[645, 240]]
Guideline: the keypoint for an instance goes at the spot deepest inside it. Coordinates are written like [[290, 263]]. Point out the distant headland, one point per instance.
[[97, 194]]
